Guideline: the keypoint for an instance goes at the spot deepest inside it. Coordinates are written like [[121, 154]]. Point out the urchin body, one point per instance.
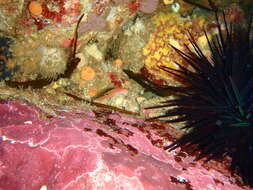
[[216, 98]]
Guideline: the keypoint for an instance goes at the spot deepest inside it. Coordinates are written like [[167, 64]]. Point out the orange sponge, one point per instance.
[[35, 8], [87, 73]]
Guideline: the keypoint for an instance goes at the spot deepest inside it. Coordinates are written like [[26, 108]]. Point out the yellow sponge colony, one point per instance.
[[170, 29]]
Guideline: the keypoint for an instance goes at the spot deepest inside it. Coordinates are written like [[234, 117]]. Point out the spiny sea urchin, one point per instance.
[[215, 99]]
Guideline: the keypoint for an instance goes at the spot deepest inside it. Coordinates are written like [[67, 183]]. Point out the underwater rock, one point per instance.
[[148, 6], [94, 150], [94, 23]]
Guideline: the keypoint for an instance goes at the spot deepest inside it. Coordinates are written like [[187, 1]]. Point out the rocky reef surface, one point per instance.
[[99, 149], [74, 132]]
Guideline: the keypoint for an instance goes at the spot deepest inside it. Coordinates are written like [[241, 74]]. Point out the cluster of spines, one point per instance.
[[216, 98]]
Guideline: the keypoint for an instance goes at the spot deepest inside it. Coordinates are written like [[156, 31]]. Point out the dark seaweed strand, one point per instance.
[[40, 82], [218, 107], [100, 105], [73, 60]]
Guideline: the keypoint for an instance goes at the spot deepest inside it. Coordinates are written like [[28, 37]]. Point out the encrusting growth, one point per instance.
[[71, 65]]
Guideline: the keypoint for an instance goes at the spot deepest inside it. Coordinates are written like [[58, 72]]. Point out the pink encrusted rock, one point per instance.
[[93, 23], [82, 150], [148, 6], [121, 1]]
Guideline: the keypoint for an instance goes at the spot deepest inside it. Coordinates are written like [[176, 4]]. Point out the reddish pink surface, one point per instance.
[[92, 150], [93, 23], [148, 6]]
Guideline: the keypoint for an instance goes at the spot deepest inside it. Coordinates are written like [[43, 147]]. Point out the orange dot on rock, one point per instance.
[[118, 62], [35, 8], [92, 92], [119, 20], [87, 73]]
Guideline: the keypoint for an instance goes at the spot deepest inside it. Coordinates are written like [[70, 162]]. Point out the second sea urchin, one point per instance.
[[215, 100]]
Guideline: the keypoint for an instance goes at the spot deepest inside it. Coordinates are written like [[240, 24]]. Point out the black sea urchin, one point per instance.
[[215, 99]]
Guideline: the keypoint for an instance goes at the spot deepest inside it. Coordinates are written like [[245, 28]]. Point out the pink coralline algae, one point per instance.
[[93, 23], [96, 21], [148, 6], [86, 150], [121, 1]]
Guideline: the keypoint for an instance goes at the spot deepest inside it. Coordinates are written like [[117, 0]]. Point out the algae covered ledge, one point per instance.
[[113, 36]]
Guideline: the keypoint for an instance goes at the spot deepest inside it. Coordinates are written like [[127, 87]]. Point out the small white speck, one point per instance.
[[112, 14], [44, 187], [28, 122], [12, 141], [175, 7], [181, 179], [218, 122], [138, 27], [30, 144], [4, 138]]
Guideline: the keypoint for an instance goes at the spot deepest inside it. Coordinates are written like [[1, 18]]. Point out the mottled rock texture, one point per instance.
[[87, 150]]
